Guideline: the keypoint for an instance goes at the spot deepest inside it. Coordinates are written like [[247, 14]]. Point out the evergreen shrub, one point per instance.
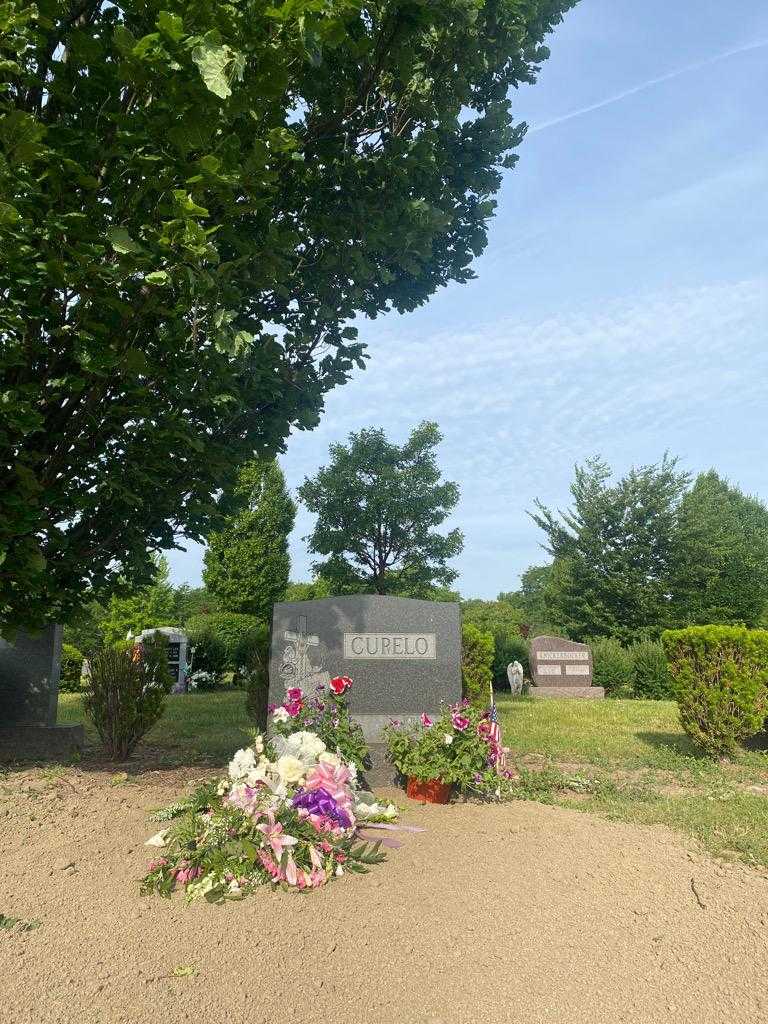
[[613, 667], [720, 676], [477, 651]]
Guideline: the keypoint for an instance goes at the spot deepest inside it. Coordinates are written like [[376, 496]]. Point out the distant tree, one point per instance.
[[191, 601], [142, 607], [247, 563], [378, 505], [722, 555], [532, 597], [502, 620], [311, 591], [615, 550], [83, 629]]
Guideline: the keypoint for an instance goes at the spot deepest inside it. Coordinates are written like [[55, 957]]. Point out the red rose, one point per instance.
[[340, 684]]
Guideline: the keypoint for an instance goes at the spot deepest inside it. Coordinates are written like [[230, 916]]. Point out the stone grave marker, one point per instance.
[[29, 688], [403, 655], [178, 660], [561, 668]]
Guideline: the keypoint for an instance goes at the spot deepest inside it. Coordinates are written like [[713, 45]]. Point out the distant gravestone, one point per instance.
[[403, 655], [178, 659], [29, 689], [561, 668]]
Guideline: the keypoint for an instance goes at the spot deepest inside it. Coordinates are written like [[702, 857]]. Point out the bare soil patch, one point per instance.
[[513, 913]]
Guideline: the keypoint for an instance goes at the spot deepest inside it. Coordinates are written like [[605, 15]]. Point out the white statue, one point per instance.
[[515, 677]]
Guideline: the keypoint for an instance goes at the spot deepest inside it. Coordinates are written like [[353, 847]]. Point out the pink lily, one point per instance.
[[275, 835]]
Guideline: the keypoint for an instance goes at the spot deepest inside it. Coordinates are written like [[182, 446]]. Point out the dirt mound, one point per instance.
[[515, 913]]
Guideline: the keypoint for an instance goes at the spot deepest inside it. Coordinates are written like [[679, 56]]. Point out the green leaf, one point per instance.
[[9, 214], [219, 65], [157, 277], [122, 242], [170, 25]]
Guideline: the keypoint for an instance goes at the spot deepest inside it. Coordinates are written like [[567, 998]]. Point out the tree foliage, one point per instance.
[[135, 609], [247, 562], [721, 554], [378, 505], [614, 550], [196, 198], [502, 620]]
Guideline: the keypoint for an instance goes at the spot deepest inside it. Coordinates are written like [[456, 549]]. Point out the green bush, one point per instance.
[[225, 641], [613, 667], [720, 675], [71, 669], [503, 621], [477, 650], [510, 647], [126, 692], [651, 676]]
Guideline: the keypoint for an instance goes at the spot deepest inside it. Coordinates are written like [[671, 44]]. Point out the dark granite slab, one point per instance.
[[403, 655]]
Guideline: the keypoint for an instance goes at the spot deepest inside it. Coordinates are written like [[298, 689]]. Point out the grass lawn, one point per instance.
[[627, 760], [196, 727]]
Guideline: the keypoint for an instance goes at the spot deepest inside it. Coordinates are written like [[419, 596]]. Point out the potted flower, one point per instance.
[[458, 749]]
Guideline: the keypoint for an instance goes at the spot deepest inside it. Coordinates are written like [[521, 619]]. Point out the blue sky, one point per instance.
[[621, 306]]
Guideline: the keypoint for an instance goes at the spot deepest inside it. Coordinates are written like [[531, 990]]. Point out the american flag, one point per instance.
[[494, 736]]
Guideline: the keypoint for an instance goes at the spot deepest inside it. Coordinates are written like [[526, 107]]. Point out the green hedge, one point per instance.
[[613, 667], [477, 650], [652, 680], [71, 669], [720, 675], [225, 641]]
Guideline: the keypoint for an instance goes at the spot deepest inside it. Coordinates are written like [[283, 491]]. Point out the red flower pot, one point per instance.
[[429, 791]]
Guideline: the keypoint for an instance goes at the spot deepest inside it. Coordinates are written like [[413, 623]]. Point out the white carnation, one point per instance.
[[241, 764], [280, 715], [290, 769]]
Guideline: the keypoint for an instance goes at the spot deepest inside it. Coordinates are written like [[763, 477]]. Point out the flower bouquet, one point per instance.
[[459, 748], [327, 714], [288, 813]]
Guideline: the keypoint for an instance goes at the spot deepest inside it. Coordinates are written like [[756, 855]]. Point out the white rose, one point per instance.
[[328, 758], [447, 739], [280, 715], [290, 769]]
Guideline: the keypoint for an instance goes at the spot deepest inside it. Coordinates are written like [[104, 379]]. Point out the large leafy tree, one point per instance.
[[195, 199], [378, 505], [615, 550], [247, 562], [721, 554]]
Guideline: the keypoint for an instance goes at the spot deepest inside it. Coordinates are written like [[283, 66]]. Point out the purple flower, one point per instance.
[[320, 801]]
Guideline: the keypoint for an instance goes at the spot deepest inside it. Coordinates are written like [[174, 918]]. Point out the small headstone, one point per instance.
[[562, 668], [29, 691], [515, 676], [178, 660], [403, 655]]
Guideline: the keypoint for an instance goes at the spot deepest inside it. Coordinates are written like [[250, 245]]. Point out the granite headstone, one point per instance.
[[561, 668], [404, 655], [29, 686]]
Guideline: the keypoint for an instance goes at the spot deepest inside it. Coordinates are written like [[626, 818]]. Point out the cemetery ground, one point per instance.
[[530, 911]]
